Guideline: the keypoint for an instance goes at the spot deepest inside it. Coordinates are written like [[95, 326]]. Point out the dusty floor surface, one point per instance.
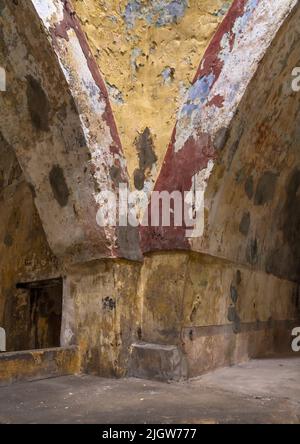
[[260, 391]]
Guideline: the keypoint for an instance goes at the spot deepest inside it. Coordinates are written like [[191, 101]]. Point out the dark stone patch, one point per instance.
[[10, 170], [2, 6], [146, 155], [234, 318], [194, 313], [236, 328], [238, 277], [129, 243], [265, 188], [115, 174], [249, 187], [240, 176], [8, 240], [245, 224], [139, 179], [3, 47], [221, 138], [139, 333], [233, 294], [232, 151], [108, 303], [59, 186], [38, 104], [15, 173], [252, 252], [26, 356], [231, 313], [32, 190], [275, 263]]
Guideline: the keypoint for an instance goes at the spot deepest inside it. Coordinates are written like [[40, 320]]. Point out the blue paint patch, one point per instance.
[[115, 94], [156, 12], [113, 18], [223, 10], [197, 95], [252, 4], [135, 53], [240, 25], [168, 74]]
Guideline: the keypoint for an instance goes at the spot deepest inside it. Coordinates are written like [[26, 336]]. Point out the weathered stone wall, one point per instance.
[[241, 299], [66, 140], [217, 312], [24, 251], [236, 296], [252, 197], [102, 314], [201, 136]]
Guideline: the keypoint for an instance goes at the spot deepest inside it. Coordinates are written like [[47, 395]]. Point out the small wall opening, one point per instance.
[[40, 315]]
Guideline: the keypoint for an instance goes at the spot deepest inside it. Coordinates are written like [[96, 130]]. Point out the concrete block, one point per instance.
[[156, 361]]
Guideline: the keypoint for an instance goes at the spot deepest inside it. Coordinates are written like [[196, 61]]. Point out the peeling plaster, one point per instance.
[[157, 12], [80, 128], [149, 66], [226, 70]]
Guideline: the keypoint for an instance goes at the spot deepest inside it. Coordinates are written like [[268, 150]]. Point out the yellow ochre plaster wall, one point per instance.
[[148, 52]]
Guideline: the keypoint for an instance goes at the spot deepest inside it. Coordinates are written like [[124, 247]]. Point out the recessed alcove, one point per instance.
[[40, 313]]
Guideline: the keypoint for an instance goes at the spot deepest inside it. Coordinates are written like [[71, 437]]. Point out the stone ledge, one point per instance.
[[32, 365], [157, 361]]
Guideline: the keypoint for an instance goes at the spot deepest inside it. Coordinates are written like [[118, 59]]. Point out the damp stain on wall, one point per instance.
[[38, 104], [147, 158]]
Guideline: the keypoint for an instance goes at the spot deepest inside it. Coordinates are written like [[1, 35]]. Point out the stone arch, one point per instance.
[[252, 195], [57, 118], [237, 54]]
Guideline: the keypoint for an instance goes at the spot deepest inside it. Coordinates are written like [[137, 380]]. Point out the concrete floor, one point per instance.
[[260, 391]]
